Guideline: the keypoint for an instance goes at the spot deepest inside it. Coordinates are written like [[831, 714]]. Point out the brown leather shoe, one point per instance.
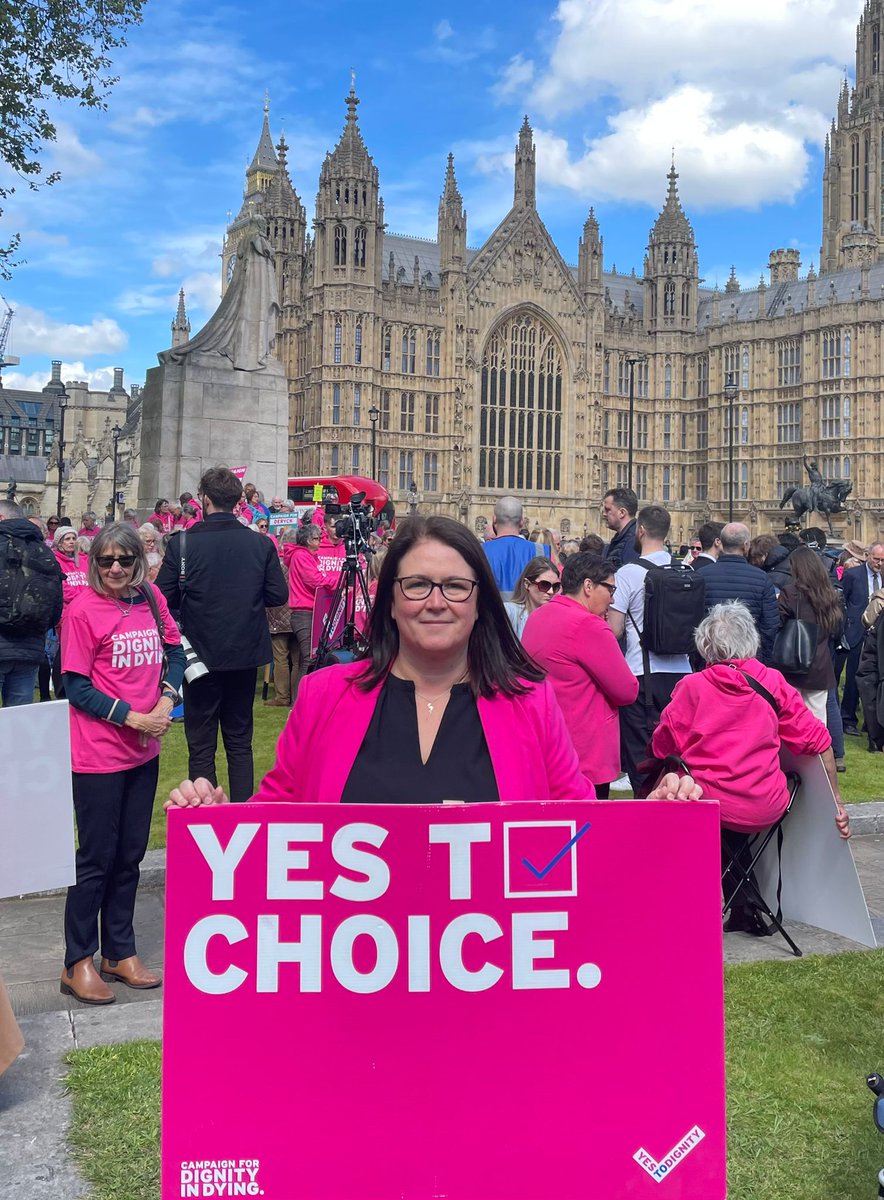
[[130, 971], [83, 982], [277, 703]]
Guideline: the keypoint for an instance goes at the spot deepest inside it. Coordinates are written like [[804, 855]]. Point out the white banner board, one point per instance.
[[36, 806], [821, 886]]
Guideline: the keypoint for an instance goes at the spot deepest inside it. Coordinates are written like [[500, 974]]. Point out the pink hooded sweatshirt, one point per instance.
[[730, 737], [304, 575]]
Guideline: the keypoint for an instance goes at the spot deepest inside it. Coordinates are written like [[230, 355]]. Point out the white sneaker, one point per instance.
[[621, 785]]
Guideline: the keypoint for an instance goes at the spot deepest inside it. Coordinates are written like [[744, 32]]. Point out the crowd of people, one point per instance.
[[518, 667]]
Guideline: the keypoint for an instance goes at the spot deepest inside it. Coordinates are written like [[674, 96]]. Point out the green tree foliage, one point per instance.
[[51, 50]]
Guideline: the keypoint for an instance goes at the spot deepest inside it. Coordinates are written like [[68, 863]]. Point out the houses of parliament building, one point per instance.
[[471, 373]]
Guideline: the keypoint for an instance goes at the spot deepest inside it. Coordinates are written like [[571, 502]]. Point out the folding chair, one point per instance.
[[738, 878]]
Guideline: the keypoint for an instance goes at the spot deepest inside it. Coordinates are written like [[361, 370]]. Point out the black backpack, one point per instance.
[[30, 586], [675, 604]]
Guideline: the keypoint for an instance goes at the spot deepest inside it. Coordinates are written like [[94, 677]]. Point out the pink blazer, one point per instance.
[[531, 753], [590, 677]]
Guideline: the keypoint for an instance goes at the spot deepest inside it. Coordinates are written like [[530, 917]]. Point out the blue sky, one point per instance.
[[744, 93]]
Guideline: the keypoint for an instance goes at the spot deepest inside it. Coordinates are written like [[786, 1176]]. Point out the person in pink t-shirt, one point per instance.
[[73, 567], [122, 666], [186, 498], [162, 512], [90, 527]]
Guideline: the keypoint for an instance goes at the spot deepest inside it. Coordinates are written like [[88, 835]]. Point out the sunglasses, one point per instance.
[[106, 561], [262, 526], [545, 586], [696, 549]]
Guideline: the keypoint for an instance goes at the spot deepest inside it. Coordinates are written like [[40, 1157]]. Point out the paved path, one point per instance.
[[34, 1111]]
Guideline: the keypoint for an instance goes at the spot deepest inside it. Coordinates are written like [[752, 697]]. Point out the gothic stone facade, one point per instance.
[[504, 369]]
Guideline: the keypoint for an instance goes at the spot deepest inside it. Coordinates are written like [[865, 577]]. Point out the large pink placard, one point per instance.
[[468, 1002]]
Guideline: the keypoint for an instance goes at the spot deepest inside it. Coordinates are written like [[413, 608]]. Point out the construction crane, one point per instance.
[[6, 360]]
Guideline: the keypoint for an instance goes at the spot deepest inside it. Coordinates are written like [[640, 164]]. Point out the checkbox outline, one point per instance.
[[570, 827]]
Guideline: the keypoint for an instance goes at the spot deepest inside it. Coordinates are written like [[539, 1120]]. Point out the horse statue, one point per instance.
[[826, 498]]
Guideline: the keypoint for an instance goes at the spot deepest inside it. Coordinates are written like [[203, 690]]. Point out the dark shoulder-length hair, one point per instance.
[[812, 582], [496, 659]]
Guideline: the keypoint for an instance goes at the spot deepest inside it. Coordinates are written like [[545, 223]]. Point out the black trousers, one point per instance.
[[850, 699], [113, 824], [225, 699], [639, 720]]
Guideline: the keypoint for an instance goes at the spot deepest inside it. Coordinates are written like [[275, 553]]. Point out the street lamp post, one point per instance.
[[731, 391], [633, 362], [373, 415], [115, 434], [62, 406]]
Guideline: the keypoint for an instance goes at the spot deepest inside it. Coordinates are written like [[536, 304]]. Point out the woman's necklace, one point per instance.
[[431, 701], [124, 609]]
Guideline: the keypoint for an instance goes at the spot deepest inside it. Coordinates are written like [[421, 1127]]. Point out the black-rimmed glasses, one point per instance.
[[416, 587], [106, 561], [612, 588]]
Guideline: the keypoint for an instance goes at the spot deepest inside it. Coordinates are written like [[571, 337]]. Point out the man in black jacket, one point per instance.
[[618, 509], [734, 578], [231, 576], [23, 648]]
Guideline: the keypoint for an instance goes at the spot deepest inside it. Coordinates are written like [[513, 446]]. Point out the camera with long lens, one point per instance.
[[195, 668], [355, 524]]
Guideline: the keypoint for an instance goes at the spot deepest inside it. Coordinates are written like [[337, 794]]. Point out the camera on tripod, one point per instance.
[[355, 524]]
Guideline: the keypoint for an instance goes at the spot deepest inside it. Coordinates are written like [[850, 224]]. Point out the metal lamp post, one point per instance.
[[62, 406], [633, 362], [731, 391], [373, 416], [115, 434]]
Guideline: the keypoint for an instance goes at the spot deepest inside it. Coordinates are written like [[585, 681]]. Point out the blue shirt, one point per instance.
[[507, 555]]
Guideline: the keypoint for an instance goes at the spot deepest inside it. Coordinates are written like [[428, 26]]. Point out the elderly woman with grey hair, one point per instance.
[[728, 722]]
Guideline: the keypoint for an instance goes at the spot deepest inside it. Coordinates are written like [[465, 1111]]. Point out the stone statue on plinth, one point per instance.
[[243, 327], [822, 497]]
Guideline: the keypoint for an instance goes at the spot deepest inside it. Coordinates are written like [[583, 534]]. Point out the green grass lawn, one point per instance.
[[801, 1037]]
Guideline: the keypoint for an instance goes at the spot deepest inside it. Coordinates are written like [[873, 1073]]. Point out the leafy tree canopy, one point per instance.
[[52, 50]]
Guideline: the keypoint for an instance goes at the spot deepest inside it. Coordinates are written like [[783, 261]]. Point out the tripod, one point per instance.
[[340, 638]]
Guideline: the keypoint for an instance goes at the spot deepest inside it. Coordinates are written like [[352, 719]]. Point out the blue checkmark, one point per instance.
[[558, 857]]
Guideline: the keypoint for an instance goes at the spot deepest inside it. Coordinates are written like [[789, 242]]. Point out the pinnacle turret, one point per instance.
[[265, 156], [672, 224], [524, 194], [181, 325], [350, 157]]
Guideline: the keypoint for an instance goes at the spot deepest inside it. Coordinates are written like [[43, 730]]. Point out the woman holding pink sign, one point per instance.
[[445, 706], [122, 665]]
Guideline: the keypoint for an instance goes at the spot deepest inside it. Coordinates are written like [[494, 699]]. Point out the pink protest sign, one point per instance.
[[477, 1002]]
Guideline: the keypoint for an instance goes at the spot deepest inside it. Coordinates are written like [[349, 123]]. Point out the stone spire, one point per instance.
[[350, 156], [265, 156], [452, 229], [524, 192], [181, 325], [590, 255], [672, 225]]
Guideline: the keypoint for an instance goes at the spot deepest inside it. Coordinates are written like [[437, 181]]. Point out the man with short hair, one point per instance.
[[130, 516], [508, 552], [709, 537], [626, 615], [618, 509], [733, 577], [23, 649], [231, 576], [90, 527], [858, 585]]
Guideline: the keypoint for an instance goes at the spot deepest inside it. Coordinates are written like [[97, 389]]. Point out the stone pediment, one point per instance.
[[520, 252]]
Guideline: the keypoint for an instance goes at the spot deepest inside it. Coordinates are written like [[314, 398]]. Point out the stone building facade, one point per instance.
[[505, 369], [30, 432]]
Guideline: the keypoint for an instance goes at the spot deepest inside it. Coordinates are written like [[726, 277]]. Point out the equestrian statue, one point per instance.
[[820, 496]]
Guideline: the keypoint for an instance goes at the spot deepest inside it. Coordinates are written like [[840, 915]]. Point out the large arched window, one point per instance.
[[520, 432]]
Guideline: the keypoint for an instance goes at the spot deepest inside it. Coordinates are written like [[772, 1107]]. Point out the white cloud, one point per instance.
[[741, 165], [741, 92], [34, 332], [457, 47], [514, 78], [443, 30]]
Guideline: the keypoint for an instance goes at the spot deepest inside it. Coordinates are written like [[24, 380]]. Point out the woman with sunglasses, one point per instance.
[[446, 705], [537, 584], [572, 641], [122, 666]]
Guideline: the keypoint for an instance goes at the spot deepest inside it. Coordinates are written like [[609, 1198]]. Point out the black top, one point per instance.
[[388, 767]]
